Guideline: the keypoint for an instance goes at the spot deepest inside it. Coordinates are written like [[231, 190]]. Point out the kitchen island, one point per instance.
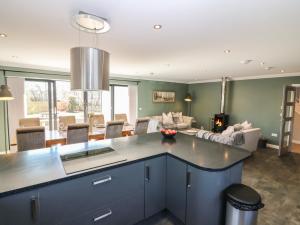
[[186, 176]]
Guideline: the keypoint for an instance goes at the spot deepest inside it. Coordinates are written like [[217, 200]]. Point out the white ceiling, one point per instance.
[[189, 47]]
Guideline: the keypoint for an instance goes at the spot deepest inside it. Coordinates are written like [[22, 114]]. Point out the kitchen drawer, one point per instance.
[[126, 211], [75, 197]]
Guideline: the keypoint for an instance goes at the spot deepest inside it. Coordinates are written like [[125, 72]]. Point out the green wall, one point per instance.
[[258, 101], [146, 105]]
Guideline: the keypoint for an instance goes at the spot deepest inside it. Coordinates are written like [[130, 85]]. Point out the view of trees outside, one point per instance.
[[36, 104], [69, 103]]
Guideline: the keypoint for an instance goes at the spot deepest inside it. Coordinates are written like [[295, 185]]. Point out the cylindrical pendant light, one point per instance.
[[89, 69], [5, 94]]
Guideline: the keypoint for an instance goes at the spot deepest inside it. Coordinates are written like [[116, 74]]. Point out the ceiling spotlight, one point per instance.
[[282, 71], [157, 26], [262, 63], [227, 51], [15, 57], [269, 68], [151, 74], [3, 35], [247, 61], [90, 23]]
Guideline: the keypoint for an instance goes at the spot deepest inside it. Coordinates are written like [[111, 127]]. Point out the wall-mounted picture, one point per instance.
[[163, 96]]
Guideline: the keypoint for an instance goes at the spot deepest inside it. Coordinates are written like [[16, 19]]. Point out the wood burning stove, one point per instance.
[[221, 120]]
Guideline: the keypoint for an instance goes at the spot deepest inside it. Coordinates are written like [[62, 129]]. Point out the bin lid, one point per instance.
[[243, 197]]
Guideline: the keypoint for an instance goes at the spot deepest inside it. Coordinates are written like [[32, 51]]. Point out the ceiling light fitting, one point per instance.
[[227, 51], [90, 23], [269, 68], [247, 61], [157, 26], [3, 35]]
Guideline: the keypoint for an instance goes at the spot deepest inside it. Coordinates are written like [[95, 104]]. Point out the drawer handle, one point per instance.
[[103, 216], [188, 179], [147, 173], [34, 205], [102, 181]]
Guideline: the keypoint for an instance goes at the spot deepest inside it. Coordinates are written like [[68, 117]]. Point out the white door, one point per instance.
[[287, 119]]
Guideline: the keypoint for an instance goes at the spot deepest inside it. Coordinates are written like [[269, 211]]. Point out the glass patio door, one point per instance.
[[120, 100], [40, 101]]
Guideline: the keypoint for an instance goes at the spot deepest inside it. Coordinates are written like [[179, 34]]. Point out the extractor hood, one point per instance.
[[89, 69], [89, 66]]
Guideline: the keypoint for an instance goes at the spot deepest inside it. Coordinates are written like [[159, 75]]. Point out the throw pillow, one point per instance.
[[246, 125], [167, 119], [177, 117], [229, 131], [237, 127]]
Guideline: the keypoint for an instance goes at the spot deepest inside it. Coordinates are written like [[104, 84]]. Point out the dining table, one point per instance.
[[59, 137]]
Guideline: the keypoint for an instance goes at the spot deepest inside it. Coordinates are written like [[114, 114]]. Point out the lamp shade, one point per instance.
[[89, 69], [188, 98], [5, 94]]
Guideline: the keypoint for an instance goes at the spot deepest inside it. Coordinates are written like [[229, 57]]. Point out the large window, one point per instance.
[[37, 100], [121, 99], [69, 103], [48, 100]]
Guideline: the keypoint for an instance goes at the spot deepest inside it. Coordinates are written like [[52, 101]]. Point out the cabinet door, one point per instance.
[[205, 203], [20, 209], [81, 195], [176, 187], [155, 185]]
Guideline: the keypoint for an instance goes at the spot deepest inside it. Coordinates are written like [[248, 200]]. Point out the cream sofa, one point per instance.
[[156, 124], [251, 137], [245, 139]]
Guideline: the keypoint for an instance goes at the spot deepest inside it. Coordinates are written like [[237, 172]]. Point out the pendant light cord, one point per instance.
[[96, 39]]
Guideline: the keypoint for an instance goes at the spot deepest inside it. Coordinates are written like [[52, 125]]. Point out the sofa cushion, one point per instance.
[[167, 119], [182, 126], [170, 126], [246, 125], [237, 127], [229, 130], [177, 117]]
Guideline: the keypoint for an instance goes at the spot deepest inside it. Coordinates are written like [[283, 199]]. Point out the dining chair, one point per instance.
[[77, 133], [114, 129], [141, 126], [121, 117], [64, 121], [29, 138], [96, 120], [29, 122]]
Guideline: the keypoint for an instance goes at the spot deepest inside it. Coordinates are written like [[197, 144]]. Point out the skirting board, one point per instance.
[[276, 147]]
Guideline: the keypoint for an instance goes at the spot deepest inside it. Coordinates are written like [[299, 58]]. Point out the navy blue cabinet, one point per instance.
[[176, 187], [155, 185], [126, 195], [63, 201], [20, 209], [205, 200]]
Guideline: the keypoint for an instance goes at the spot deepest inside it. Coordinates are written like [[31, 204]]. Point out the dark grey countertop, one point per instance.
[[30, 169]]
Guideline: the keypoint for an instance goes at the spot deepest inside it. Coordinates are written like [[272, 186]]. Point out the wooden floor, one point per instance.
[[296, 148]]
